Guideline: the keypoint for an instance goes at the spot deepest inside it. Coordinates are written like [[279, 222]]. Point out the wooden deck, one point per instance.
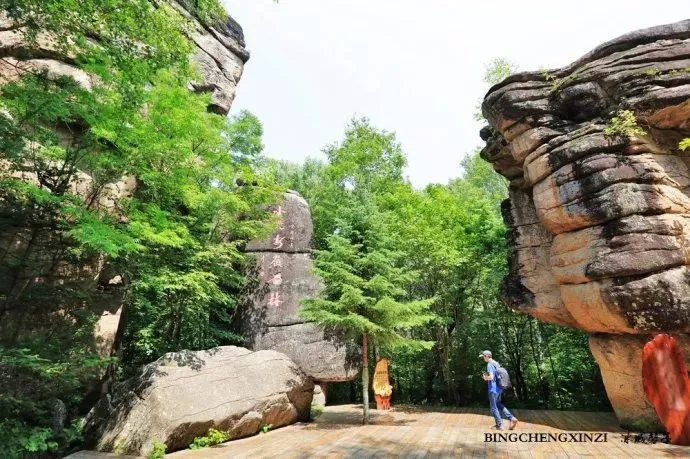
[[446, 432]]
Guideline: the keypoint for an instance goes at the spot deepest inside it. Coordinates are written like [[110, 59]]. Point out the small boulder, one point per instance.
[[183, 394]]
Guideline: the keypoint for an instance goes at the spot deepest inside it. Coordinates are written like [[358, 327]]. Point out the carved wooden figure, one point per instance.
[[381, 385]]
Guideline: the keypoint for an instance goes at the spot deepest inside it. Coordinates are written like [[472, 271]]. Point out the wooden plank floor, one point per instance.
[[412, 432]]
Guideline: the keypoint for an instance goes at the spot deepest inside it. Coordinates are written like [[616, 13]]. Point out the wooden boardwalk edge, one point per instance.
[[414, 432]]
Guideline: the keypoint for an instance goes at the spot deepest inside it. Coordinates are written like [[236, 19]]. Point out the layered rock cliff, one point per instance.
[[599, 212], [35, 259]]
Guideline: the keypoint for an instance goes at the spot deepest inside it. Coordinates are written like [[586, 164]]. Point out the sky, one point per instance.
[[413, 67]]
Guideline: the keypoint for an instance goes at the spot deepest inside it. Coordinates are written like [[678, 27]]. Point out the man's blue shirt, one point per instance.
[[494, 388]]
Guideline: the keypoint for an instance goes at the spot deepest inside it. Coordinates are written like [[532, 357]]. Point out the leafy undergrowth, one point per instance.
[[316, 411], [212, 437]]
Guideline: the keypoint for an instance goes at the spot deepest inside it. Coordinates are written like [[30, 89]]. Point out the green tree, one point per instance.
[[365, 299], [366, 295], [498, 69]]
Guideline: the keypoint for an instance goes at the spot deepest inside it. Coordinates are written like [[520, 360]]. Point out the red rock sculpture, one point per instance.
[[667, 386]]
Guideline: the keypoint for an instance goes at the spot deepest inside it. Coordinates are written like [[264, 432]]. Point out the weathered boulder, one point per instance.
[[598, 218], [269, 319], [184, 394]]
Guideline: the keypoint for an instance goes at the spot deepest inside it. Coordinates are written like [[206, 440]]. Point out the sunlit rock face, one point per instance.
[[599, 225], [183, 394], [220, 55]]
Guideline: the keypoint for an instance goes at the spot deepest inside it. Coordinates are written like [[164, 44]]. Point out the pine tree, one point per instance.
[[365, 296]]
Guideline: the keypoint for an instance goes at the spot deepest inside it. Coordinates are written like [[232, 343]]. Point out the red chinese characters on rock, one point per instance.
[[276, 262], [275, 278], [278, 241], [274, 299], [666, 384]]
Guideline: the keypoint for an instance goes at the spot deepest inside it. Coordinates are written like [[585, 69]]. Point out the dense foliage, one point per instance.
[[367, 295], [119, 191]]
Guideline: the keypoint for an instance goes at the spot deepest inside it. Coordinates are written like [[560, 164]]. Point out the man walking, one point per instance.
[[495, 391]]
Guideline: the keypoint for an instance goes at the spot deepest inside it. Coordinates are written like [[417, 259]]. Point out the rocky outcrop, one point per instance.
[[35, 263], [270, 319], [598, 214], [184, 394], [219, 55]]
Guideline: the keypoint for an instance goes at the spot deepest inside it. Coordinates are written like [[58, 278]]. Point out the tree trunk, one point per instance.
[[553, 372], [20, 269], [535, 355], [365, 380]]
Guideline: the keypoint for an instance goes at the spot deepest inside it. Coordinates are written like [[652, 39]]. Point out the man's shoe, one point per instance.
[[496, 427], [513, 423]]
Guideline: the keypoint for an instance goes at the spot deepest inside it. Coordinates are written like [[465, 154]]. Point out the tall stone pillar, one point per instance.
[[270, 319]]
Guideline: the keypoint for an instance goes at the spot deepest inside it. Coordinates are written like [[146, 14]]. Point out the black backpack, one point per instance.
[[502, 377]]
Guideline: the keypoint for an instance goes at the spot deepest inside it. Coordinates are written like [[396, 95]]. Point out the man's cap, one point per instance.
[[485, 354]]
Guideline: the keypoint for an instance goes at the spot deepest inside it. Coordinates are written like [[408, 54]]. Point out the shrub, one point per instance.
[[158, 451], [624, 124], [684, 144], [316, 411], [212, 437]]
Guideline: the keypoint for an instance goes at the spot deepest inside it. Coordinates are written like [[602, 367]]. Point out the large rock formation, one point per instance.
[[219, 55], [599, 221], [270, 319], [184, 394], [34, 264]]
